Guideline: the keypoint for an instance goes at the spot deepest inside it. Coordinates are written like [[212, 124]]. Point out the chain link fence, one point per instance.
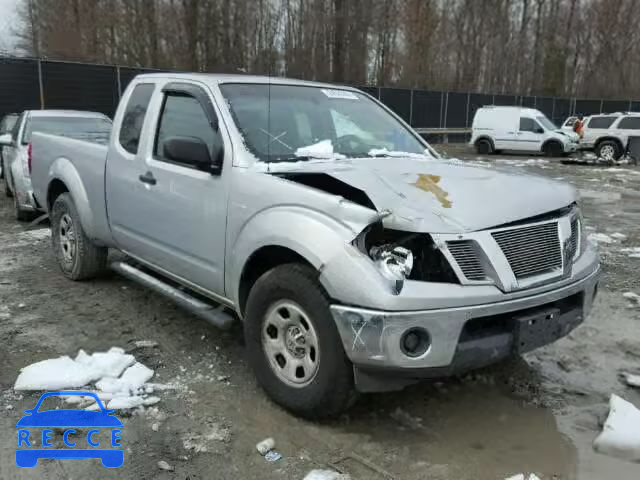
[[33, 84]]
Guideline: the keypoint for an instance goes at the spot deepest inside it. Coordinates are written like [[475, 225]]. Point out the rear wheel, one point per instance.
[[484, 147], [608, 150], [293, 344], [78, 258]]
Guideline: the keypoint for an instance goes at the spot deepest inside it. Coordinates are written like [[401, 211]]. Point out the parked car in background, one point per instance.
[[519, 129], [607, 134], [90, 126], [353, 253], [567, 126], [6, 125]]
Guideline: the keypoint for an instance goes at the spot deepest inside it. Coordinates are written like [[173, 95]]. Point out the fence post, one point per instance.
[[119, 81], [553, 108], [601, 105], [466, 123], [40, 84], [411, 109]]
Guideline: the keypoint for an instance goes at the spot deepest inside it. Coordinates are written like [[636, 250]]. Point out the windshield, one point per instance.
[[546, 123], [289, 123], [91, 128]]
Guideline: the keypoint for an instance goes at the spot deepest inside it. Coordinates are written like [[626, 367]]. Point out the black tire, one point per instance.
[[331, 390], [88, 260], [606, 146], [484, 147], [553, 149], [7, 191]]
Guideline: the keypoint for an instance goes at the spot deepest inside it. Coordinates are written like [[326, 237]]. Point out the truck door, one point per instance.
[[170, 214], [529, 136]]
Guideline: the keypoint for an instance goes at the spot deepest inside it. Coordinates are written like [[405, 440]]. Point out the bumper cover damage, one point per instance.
[[459, 339]]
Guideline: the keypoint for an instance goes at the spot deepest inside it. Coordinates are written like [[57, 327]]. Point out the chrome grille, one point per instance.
[[464, 253], [575, 237], [532, 250]]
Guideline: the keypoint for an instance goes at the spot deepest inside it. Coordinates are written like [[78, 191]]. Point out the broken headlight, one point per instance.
[[402, 256]]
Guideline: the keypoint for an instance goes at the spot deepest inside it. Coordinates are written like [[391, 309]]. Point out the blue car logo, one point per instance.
[[29, 452]]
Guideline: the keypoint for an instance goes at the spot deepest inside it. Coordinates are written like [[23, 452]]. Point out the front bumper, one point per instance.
[[570, 147], [461, 338]]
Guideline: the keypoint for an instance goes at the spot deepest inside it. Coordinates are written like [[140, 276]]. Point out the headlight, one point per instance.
[[395, 263]]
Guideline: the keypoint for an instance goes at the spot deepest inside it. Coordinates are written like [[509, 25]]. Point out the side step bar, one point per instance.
[[216, 316]]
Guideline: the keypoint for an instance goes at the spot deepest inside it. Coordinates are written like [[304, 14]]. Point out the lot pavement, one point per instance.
[[537, 414]]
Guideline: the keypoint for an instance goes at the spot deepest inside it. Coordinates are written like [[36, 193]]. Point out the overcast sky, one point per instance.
[[7, 23]]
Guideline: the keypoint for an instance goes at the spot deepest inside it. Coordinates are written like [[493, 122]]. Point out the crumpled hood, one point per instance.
[[442, 196]]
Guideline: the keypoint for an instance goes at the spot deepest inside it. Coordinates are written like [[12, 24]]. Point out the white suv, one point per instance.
[[608, 134]]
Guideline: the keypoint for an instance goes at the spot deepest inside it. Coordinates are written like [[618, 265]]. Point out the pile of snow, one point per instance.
[[600, 238], [322, 149], [326, 475], [633, 298], [620, 436], [522, 476], [119, 379], [631, 379], [633, 252]]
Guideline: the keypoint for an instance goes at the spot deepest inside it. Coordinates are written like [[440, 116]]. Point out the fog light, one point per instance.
[[415, 342]]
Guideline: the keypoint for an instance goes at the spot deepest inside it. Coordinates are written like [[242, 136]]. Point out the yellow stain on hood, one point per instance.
[[429, 183]]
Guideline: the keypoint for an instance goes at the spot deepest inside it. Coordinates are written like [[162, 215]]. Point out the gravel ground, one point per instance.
[[537, 414]]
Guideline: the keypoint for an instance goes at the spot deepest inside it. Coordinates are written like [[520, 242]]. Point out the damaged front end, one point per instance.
[[401, 256]]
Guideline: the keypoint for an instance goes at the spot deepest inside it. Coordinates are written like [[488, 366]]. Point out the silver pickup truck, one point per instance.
[[356, 258]]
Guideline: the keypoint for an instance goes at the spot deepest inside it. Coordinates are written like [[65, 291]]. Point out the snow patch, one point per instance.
[[631, 379], [633, 252], [118, 378], [322, 149], [383, 152], [318, 474], [633, 297], [620, 436], [600, 238]]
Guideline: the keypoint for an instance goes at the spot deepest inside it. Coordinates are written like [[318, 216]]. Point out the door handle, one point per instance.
[[147, 178]]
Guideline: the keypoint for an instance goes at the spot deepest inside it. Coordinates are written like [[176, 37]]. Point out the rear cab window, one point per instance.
[[600, 122], [134, 115]]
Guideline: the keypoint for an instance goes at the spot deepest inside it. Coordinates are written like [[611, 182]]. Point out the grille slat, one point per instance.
[[464, 253], [531, 250]]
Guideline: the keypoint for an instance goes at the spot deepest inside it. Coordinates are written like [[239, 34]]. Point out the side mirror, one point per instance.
[[539, 130], [6, 140], [193, 151]]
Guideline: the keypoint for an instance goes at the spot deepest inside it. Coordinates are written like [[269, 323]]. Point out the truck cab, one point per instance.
[[355, 257]]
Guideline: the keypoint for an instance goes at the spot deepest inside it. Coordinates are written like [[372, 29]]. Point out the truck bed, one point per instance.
[[77, 166]]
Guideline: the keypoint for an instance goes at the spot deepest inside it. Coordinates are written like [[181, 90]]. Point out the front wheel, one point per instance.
[[553, 149], [78, 258], [484, 147], [293, 345]]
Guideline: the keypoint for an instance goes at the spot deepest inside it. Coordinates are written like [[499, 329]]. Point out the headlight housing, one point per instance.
[[402, 256]]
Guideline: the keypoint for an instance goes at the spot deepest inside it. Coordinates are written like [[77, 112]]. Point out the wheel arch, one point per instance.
[[487, 138], [597, 143]]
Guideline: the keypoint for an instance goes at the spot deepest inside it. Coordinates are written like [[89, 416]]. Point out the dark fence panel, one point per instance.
[[545, 105], [80, 87], [587, 107], [635, 105], [561, 110], [127, 74], [373, 91], [398, 100], [456, 113], [427, 107], [506, 100], [610, 106], [19, 86], [529, 102], [477, 100]]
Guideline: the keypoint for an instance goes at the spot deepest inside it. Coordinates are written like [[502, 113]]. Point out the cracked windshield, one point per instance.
[[290, 123]]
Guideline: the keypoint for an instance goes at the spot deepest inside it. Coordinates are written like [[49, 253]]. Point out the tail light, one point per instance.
[[29, 158]]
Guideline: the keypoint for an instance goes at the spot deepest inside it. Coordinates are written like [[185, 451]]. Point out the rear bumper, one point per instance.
[[461, 338]]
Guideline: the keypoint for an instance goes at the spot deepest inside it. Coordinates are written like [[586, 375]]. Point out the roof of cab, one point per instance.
[[241, 78]]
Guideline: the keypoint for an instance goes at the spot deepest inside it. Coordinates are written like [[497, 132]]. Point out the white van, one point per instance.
[[519, 129]]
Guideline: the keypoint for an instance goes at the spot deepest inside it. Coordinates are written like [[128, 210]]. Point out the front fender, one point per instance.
[[313, 235]]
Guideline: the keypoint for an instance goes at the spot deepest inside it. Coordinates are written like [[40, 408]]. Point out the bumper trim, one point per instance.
[[371, 337]]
